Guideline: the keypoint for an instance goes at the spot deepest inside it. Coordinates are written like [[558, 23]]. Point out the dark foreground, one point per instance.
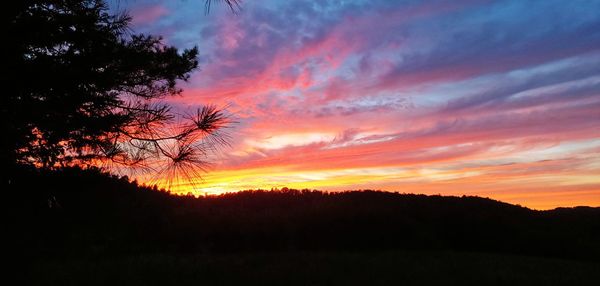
[[78, 227], [317, 268]]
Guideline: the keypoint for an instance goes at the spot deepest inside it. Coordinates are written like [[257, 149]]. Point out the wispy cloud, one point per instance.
[[496, 98]]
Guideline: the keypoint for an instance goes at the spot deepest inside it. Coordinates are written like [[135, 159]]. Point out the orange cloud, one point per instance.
[[448, 97]]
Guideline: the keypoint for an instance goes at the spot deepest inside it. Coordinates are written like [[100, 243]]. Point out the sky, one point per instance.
[[498, 99]]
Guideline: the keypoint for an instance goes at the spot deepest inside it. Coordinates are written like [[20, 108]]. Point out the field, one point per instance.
[[78, 227], [317, 268]]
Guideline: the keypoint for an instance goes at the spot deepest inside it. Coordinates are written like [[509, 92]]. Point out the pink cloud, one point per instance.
[[484, 92], [148, 14]]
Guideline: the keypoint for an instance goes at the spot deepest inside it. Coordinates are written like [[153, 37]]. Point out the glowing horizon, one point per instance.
[[496, 99]]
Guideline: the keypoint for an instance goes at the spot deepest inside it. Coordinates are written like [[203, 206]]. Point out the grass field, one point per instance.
[[316, 268]]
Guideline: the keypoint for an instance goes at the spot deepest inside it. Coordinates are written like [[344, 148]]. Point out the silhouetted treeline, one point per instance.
[[74, 212]]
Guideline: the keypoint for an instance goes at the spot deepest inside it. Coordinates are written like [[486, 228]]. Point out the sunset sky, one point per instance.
[[499, 99]]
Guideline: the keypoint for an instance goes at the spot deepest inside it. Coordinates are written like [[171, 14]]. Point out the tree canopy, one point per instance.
[[82, 88]]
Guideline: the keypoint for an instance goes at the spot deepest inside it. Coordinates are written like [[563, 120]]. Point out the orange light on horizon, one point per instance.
[[533, 191]]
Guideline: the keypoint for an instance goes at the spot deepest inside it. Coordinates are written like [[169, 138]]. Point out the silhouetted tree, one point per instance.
[[119, 215], [80, 88]]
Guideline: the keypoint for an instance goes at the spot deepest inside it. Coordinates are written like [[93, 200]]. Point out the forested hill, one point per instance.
[[73, 211]]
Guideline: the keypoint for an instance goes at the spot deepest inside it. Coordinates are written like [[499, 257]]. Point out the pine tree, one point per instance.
[[80, 88]]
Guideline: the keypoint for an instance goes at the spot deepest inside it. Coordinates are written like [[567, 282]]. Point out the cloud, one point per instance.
[[419, 89], [148, 14]]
